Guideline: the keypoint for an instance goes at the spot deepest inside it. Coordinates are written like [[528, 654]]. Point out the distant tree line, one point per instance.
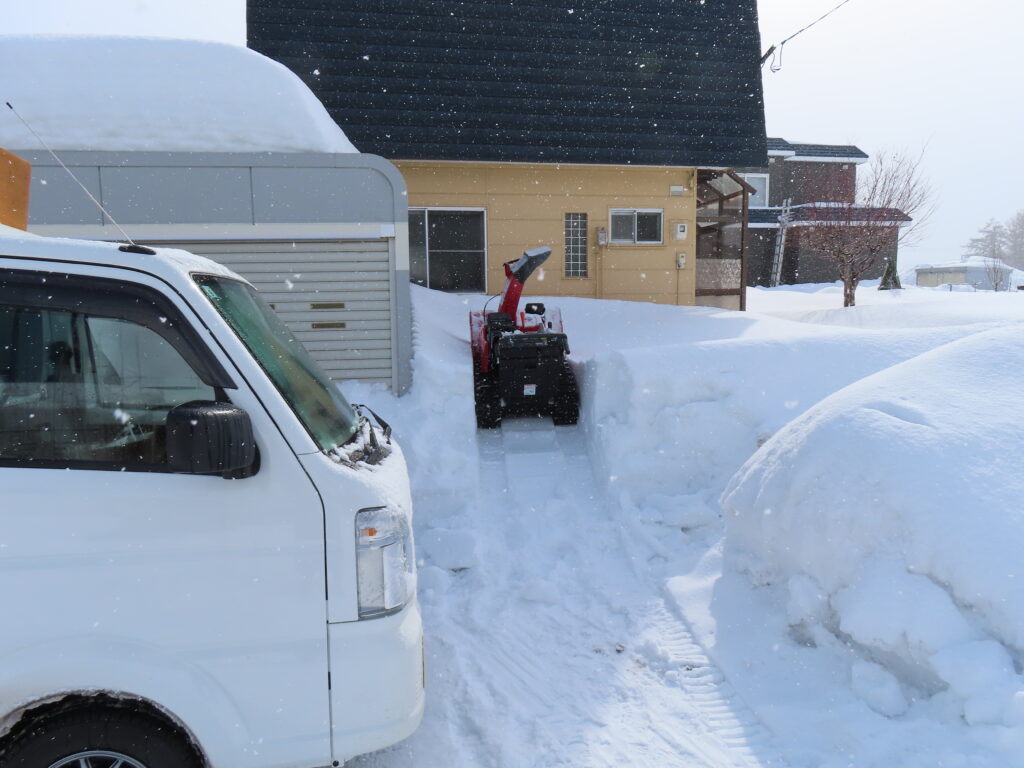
[[996, 240]]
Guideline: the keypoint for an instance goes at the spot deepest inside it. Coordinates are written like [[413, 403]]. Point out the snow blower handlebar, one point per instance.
[[517, 273]]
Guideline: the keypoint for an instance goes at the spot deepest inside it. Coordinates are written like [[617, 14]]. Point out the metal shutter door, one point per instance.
[[335, 296]]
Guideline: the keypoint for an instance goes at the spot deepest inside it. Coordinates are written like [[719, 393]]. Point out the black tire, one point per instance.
[[487, 397], [99, 736], [565, 410]]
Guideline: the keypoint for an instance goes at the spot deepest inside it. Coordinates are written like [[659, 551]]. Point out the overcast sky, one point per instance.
[[882, 74]]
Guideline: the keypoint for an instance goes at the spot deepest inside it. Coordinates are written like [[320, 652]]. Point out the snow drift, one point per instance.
[[149, 94], [892, 513], [585, 615]]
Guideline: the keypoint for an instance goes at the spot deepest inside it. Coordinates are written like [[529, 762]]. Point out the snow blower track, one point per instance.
[[559, 649]]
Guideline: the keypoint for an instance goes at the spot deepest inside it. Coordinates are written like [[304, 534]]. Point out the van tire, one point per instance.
[[121, 732]]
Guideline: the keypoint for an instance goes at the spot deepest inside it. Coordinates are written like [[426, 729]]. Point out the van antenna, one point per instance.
[[133, 247]]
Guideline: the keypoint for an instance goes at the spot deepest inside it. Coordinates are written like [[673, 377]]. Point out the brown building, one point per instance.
[[808, 177], [605, 131]]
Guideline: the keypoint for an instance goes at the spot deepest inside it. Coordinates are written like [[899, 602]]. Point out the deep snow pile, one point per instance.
[[822, 304], [594, 613], [149, 94], [892, 511]]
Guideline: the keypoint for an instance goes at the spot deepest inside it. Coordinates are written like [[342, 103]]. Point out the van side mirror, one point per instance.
[[206, 438]]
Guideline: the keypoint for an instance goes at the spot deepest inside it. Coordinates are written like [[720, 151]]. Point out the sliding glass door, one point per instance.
[[447, 249]]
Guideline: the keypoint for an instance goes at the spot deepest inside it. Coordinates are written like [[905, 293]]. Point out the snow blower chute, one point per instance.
[[519, 365]]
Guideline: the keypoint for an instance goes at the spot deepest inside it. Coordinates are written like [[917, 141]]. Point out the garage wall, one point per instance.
[[335, 297], [338, 221]]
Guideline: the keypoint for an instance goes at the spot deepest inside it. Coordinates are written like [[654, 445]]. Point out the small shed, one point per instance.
[[218, 150], [984, 274]]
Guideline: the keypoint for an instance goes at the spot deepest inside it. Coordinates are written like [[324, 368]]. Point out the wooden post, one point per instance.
[[15, 176]]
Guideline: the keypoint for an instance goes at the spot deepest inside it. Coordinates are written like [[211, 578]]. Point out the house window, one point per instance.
[[759, 181], [575, 245], [447, 249], [636, 225]]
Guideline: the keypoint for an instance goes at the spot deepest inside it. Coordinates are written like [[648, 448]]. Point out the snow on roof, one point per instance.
[[13, 232], [150, 94], [168, 263]]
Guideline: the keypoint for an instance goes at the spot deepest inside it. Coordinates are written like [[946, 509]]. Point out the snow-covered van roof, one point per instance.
[[169, 264], [150, 94]]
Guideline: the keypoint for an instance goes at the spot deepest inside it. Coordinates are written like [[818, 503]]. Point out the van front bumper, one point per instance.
[[377, 680]]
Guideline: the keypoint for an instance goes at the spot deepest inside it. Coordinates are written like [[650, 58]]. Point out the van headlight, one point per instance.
[[384, 561]]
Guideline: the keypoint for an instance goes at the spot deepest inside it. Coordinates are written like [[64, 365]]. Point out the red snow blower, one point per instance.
[[519, 365]]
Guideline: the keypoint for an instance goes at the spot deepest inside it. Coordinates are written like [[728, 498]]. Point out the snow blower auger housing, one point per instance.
[[519, 365]]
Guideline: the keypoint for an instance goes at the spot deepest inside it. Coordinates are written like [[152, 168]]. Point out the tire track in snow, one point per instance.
[[558, 649], [540, 463], [679, 661]]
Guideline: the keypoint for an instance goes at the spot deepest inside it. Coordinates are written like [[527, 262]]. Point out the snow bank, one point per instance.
[[912, 307], [437, 418], [671, 424], [552, 592], [892, 513], [125, 94]]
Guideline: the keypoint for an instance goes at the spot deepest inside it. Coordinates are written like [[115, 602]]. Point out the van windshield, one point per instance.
[[319, 404]]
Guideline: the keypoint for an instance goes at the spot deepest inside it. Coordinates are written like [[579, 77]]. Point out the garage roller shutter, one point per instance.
[[335, 296]]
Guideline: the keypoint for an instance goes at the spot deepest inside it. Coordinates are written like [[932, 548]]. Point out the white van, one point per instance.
[[206, 555]]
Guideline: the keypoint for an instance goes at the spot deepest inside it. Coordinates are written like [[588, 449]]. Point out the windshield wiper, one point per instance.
[[377, 452]]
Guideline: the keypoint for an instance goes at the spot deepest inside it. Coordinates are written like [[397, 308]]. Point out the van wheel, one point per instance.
[[99, 738]]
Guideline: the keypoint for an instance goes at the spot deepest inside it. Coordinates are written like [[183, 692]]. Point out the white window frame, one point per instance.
[[634, 211], [579, 264], [457, 208], [767, 187]]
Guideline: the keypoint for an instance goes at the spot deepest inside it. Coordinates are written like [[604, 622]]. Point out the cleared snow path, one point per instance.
[[554, 644]]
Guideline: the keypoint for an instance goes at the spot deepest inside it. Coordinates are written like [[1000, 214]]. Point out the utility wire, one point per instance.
[[775, 52]]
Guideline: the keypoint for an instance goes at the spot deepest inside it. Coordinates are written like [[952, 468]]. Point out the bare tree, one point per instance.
[[1015, 241], [998, 275], [989, 244], [892, 205]]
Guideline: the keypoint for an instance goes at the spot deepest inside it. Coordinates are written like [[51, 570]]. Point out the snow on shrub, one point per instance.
[[892, 511]]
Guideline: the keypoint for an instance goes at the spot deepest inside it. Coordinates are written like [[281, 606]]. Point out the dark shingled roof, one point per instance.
[[649, 82], [827, 150], [779, 145], [776, 144], [809, 212]]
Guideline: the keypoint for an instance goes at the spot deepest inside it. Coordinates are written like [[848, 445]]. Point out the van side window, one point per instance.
[[86, 390]]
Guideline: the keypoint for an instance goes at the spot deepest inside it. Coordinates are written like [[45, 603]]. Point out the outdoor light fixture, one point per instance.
[[602, 237]]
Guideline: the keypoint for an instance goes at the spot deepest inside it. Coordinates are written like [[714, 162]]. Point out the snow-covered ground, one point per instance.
[[783, 537]]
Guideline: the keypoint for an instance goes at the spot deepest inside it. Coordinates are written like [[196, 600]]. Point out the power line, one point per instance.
[[775, 52]]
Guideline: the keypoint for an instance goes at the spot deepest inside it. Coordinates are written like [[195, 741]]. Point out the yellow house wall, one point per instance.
[[15, 175], [525, 207]]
